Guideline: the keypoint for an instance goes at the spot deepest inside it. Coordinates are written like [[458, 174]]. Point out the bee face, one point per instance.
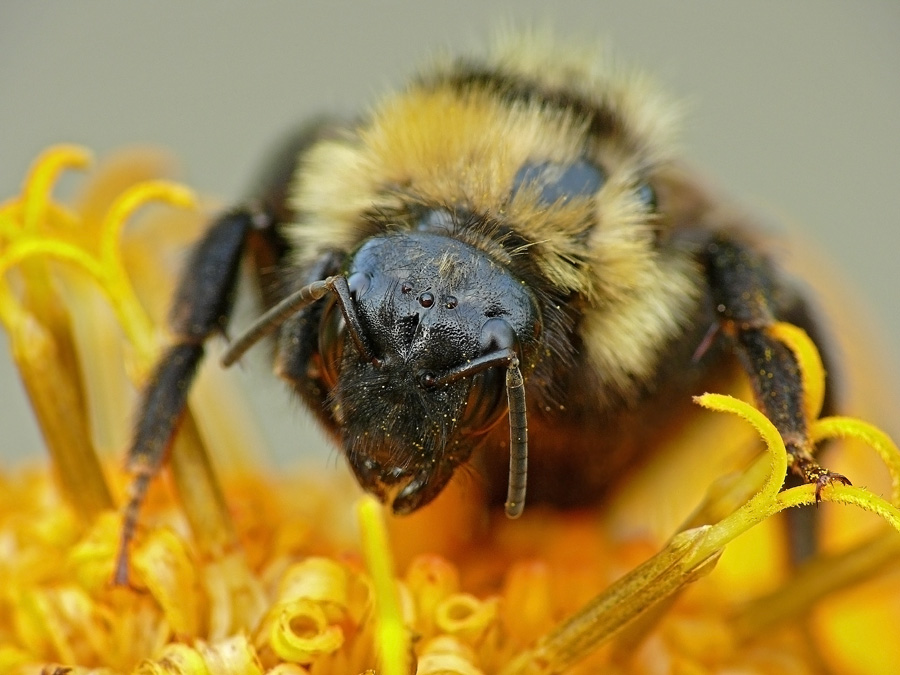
[[410, 403]]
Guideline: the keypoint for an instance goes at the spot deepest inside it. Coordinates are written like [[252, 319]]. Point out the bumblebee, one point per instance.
[[502, 266]]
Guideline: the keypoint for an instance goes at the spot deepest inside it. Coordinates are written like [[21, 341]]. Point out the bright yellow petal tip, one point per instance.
[[847, 427], [42, 178], [811, 368]]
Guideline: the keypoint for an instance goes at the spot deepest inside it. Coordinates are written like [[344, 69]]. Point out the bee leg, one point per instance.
[[746, 297], [202, 306]]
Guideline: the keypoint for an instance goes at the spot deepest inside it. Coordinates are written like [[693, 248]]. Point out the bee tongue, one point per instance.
[[410, 496], [423, 487]]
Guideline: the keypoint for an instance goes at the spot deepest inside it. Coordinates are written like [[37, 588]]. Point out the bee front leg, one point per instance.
[[202, 307], [745, 294]]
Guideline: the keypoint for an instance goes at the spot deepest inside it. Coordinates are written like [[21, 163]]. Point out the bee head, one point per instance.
[[417, 358]]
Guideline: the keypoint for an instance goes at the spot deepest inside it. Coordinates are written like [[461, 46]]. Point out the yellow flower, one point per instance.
[[253, 573]]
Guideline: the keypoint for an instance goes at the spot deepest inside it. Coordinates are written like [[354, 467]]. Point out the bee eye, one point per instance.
[[647, 195], [332, 328], [358, 283], [497, 334], [558, 182]]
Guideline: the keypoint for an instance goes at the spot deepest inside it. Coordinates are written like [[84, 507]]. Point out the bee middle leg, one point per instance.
[[745, 294], [202, 307]]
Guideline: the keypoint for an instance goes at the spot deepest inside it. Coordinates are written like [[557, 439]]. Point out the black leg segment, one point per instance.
[[748, 301], [202, 306]]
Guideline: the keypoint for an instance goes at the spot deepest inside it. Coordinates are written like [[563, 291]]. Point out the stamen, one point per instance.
[[392, 635]]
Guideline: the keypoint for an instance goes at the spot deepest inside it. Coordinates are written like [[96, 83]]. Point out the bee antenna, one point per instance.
[[274, 318], [295, 302], [518, 441]]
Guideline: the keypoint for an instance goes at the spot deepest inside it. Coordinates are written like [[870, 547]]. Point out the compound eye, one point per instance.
[[496, 335], [486, 404], [332, 330], [559, 182], [358, 283]]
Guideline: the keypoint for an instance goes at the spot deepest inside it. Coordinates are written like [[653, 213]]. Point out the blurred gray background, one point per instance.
[[794, 106]]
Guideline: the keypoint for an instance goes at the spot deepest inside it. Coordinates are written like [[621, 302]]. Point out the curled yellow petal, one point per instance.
[[849, 427], [321, 580], [165, 567], [61, 623], [300, 632], [131, 314], [812, 371], [236, 597], [91, 560], [106, 268], [447, 656], [119, 293], [176, 659], [52, 248], [768, 501], [754, 509], [232, 656], [430, 580], [287, 669], [840, 494], [465, 616], [130, 201], [43, 176]]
